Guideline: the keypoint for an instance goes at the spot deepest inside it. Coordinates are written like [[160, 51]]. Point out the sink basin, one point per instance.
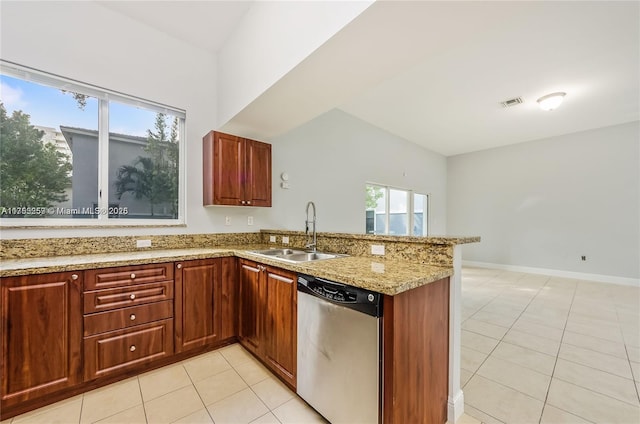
[[293, 255]]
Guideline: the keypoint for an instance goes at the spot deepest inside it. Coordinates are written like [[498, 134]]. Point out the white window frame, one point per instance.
[[410, 208], [103, 96]]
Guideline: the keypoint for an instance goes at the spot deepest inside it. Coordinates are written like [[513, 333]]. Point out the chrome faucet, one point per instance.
[[313, 244]]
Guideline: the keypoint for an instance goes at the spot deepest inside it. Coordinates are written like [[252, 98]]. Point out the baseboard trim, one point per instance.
[[455, 407], [612, 279]]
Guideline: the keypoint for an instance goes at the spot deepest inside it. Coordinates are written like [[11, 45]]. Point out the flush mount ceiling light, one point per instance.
[[551, 101]]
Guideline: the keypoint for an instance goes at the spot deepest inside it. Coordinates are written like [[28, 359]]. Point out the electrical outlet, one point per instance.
[[584, 258], [227, 220], [143, 243], [285, 240], [273, 239], [377, 249], [249, 220]]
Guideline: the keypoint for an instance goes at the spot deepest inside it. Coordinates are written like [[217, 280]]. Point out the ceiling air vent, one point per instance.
[[512, 102]]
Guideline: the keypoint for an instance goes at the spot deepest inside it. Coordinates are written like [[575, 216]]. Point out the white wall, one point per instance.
[[272, 38], [329, 161], [95, 45], [544, 204]]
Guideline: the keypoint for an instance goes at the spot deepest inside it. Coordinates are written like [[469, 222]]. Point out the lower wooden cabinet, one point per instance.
[[268, 316], [41, 335]]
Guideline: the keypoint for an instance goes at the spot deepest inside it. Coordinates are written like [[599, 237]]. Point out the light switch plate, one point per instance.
[[377, 249]]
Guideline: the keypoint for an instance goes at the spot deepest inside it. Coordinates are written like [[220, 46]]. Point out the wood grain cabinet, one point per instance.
[[128, 318], [236, 171], [41, 335], [268, 317]]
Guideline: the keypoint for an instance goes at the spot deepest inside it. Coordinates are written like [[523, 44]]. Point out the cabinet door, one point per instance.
[[258, 171], [229, 324], [223, 169], [197, 303], [280, 335], [250, 305], [41, 335]]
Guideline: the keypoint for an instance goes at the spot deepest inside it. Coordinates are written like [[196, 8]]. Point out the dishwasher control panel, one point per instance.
[[341, 294]]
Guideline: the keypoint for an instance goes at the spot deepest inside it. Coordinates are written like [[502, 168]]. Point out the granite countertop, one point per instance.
[[385, 276]]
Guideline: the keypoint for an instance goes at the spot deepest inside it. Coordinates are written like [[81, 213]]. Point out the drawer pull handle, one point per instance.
[[133, 275], [132, 296], [132, 317], [132, 348]]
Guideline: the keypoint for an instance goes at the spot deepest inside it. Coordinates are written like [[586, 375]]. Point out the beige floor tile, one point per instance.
[[272, 392], [594, 343], [252, 372], [598, 381], [528, 358], [517, 377], [267, 418], [220, 386], [480, 416], [502, 402], [206, 365], [162, 381], [631, 336], [135, 415], [484, 328], [478, 342], [590, 405], [296, 411], [535, 328], [539, 344], [240, 408], [634, 353], [110, 400], [236, 354], [470, 359], [544, 317], [199, 417], [596, 360], [173, 406], [465, 376], [58, 413], [602, 332], [467, 419], [635, 368], [553, 415], [501, 319]]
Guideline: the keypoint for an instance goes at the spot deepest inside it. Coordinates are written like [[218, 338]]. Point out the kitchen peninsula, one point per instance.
[[419, 278]]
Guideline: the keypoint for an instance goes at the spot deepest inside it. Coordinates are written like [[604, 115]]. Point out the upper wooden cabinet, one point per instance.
[[236, 171], [41, 335]]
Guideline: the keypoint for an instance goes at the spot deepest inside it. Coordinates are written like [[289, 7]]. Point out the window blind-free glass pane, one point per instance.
[[398, 208], [143, 163], [420, 214], [48, 163], [376, 202]]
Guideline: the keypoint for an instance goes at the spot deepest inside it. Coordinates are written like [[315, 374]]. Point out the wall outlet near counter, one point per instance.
[[285, 240], [273, 239], [227, 220], [143, 243], [249, 220], [377, 249]]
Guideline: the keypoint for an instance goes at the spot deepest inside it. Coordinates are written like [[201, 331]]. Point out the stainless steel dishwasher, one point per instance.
[[339, 356]]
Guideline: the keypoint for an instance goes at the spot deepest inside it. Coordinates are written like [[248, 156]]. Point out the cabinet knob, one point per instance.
[[132, 296], [132, 348], [132, 317], [179, 266], [133, 275], [243, 202], [74, 276], [248, 202]]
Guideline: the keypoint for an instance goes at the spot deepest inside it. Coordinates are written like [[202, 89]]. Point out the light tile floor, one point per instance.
[[534, 349], [540, 349]]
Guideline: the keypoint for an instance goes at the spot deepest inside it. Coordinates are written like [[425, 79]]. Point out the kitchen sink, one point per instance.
[[293, 255]]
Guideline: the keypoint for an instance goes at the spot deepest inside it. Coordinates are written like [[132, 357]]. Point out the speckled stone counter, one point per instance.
[[385, 276]]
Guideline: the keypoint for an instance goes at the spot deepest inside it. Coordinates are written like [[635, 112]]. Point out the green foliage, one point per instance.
[[154, 177], [374, 193], [32, 173]]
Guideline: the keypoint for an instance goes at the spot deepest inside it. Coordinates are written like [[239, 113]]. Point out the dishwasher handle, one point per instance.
[[361, 300]]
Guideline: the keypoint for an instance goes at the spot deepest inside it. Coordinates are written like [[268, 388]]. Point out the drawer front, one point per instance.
[[96, 279], [119, 351], [104, 300], [127, 317]]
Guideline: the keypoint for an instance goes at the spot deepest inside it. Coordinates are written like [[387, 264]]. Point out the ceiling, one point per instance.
[[434, 73]]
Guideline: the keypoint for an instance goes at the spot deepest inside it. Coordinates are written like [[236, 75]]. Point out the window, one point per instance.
[[395, 211], [73, 154]]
